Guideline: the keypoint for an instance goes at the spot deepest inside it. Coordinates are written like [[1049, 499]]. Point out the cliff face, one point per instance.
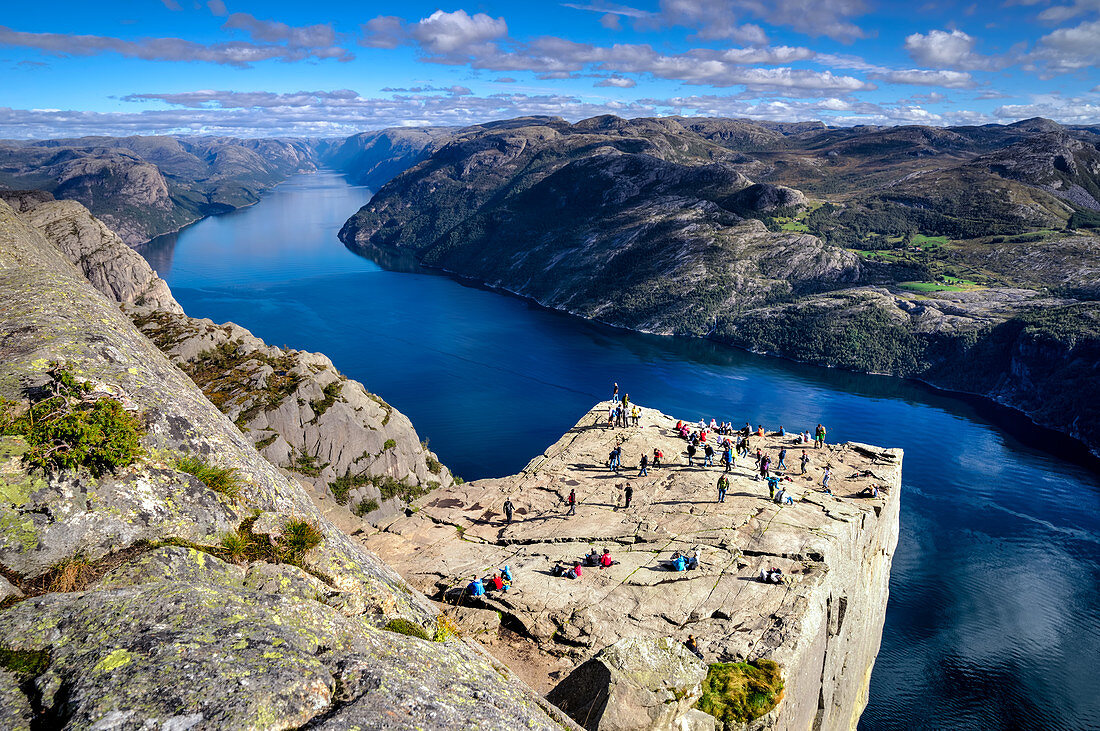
[[142, 187], [822, 624], [126, 609], [346, 444], [373, 158], [924, 252]]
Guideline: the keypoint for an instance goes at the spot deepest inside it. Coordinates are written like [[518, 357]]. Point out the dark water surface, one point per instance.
[[994, 618]]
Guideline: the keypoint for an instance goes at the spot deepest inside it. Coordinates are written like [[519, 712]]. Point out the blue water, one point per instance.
[[994, 618]]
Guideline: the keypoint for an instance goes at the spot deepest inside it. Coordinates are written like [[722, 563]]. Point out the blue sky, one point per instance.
[[326, 68]]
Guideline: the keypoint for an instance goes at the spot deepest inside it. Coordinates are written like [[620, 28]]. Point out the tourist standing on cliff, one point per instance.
[[805, 461], [509, 509], [571, 501], [723, 485], [629, 492], [690, 453], [658, 455], [642, 465], [708, 453], [727, 456], [615, 393], [819, 436], [825, 480], [782, 465]]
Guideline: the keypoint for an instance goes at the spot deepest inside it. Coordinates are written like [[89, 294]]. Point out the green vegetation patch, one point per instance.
[[739, 692], [405, 627], [25, 664], [67, 428], [225, 372], [219, 479], [366, 506], [320, 406], [245, 545], [931, 287]]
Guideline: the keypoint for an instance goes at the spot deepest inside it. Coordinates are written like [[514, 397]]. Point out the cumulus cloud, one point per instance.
[[445, 33], [278, 42], [617, 82], [1071, 110], [928, 77], [954, 49], [217, 7], [385, 31], [1069, 49], [210, 99]]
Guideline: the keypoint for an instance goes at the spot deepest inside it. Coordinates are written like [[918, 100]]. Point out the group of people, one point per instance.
[[500, 581], [621, 412], [683, 561], [575, 569]]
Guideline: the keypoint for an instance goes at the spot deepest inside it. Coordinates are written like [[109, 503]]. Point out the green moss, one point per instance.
[[219, 479], [405, 627], [738, 692], [16, 529], [25, 664]]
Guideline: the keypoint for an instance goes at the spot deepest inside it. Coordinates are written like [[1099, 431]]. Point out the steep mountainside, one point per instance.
[[145, 186], [913, 251], [345, 444], [373, 158], [159, 573]]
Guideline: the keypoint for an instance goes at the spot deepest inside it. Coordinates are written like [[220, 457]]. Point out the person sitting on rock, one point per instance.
[[771, 576], [605, 559], [592, 558], [679, 563], [506, 572], [693, 646], [692, 561], [496, 582], [784, 498], [575, 572], [871, 491], [558, 570], [476, 588]]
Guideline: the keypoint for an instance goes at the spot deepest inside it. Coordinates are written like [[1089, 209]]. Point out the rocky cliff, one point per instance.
[[919, 252], [143, 591], [142, 187], [821, 624], [346, 444]]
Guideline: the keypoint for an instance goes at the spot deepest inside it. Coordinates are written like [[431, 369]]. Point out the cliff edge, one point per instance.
[[142, 592], [822, 624]]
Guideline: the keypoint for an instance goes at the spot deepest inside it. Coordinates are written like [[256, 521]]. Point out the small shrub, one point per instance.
[[445, 629], [306, 464], [459, 480], [66, 429], [434, 466], [320, 406], [366, 506], [389, 444], [404, 627], [266, 441], [218, 479], [71, 574], [300, 536], [738, 692]]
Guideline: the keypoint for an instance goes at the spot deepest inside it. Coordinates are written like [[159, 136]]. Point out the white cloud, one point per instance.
[[445, 33], [278, 42], [954, 49], [1061, 13], [926, 77], [1069, 49], [617, 82], [1072, 110]]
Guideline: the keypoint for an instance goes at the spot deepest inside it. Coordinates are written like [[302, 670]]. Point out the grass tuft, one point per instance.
[[218, 479], [71, 574], [300, 536]]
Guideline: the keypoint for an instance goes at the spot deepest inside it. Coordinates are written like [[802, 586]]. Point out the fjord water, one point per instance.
[[994, 618]]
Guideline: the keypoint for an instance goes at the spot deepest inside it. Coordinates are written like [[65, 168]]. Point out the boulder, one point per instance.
[[633, 685]]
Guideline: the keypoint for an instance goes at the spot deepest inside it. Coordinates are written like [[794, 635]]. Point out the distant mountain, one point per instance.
[[146, 186], [965, 256]]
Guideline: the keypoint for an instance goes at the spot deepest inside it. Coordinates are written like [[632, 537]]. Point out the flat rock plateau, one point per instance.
[[822, 625]]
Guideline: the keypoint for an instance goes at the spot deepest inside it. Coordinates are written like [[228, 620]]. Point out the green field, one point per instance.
[[951, 284]]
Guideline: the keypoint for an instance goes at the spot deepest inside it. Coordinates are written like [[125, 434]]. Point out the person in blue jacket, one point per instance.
[[476, 588]]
